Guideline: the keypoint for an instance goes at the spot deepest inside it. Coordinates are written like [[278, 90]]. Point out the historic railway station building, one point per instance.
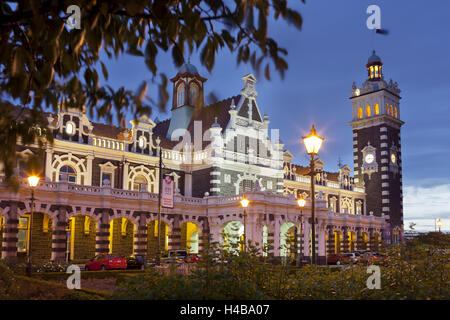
[[99, 183]]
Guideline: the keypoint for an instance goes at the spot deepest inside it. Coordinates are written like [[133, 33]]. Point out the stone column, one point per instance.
[[48, 164], [175, 235], [59, 236], [331, 240], [140, 236], [321, 252], [102, 235], [306, 242], [10, 231], [125, 176], [270, 241], [276, 239], [203, 237], [88, 180], [371, 239], [359, 239], [345, 246]]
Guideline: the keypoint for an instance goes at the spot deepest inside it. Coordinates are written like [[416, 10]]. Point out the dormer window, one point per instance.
[[180, 95], [193, 94]]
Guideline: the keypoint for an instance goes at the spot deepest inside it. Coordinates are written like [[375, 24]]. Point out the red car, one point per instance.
[[106, 262], [192, 258], [338, 259]]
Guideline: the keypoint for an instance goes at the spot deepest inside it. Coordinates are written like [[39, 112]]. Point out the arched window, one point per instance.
[[193, 94], [387, 108], [180, 95], [360, 113], [368, 111], [396, 112], [67, 173], [376, 71], [392, 111], [139, 183], [377, 109]]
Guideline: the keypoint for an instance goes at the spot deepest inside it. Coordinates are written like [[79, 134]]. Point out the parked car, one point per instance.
[[372, 258], [354, 256], [174, 256], [337, 259], [192, 258], [106, 262], [136, 262]]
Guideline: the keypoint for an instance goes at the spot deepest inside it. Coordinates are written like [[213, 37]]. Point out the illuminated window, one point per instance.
[[139, 183], [377, 108], [371, 72], [396, 113], [67, 173], [387, 108], [22, 235], [180, 95], [392, 111], [376, 71], [360, 113], [368, 111]]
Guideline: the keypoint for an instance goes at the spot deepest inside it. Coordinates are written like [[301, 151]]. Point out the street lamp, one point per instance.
[[439, 223], [32, 182], [244, 203], [301, 203], [312, 144]]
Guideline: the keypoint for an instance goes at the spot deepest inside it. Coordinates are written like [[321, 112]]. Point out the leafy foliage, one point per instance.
[[411, 272], [44, 65]]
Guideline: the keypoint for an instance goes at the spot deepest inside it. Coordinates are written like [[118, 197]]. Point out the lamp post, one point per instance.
[[32, 182], [244, 204], [312, 144], [301, 203]]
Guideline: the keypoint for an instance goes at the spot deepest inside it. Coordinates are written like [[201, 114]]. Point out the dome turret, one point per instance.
[[374, 66]]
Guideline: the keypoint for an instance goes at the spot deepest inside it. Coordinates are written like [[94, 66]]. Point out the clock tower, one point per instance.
[[377, 143]]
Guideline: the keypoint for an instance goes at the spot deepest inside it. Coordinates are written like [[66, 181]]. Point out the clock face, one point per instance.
[[369, 158], [141, 142], [69, 128], [393, 158]]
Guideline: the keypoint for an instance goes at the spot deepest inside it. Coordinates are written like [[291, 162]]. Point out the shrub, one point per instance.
[[410, 272]]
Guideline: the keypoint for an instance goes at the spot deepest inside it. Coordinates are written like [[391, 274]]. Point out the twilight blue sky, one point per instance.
[[324, 59]]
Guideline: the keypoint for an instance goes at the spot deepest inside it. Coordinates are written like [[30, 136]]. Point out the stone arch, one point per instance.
[[288, 239], [190, 233], [337, 241], [351, 236], [70, 160], [82, 237], [41, 234], [152, 235], [145, 172], [231, 235], [376, 241], [364, 241], [121, 236]]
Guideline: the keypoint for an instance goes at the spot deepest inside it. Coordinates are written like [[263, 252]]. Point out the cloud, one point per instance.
[[423, 204]]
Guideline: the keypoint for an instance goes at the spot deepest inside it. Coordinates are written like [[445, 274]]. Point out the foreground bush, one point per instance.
[[412, 272]]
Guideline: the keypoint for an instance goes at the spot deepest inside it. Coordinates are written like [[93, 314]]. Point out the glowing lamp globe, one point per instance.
[[313, 142], [33, 181], [244, 202], [301, 202]]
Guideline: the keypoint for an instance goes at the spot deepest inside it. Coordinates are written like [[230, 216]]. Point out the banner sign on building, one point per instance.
[[167, 192]]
